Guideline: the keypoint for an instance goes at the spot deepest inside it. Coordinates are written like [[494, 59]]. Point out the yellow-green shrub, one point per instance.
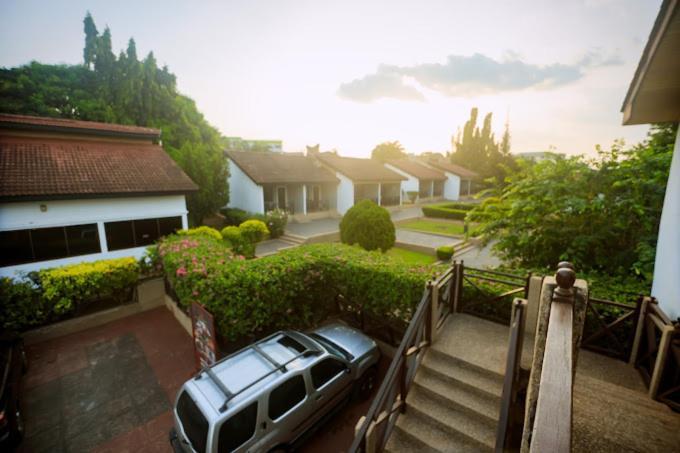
[[202, 230], [66, 287], [253, 230]]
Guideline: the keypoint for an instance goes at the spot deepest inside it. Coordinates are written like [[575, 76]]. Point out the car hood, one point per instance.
[[352, 340]]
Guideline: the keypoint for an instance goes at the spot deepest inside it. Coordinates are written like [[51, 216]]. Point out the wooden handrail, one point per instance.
[[552, 424], [397, 369], [512, 364]]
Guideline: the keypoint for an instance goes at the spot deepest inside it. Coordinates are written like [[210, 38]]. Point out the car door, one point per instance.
[[238, 432], [288, 410], [331, 383]]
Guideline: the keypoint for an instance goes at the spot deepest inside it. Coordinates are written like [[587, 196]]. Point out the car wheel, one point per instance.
[[367, 383]]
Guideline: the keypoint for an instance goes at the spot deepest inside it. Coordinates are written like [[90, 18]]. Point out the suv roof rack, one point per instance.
[[228, 395]]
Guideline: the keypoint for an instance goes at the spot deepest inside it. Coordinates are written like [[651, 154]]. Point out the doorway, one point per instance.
[[281, 197]]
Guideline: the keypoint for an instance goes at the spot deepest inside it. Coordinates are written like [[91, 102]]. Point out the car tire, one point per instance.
[[367, 383]]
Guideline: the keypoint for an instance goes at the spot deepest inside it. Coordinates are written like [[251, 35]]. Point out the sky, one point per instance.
[[351, 74]]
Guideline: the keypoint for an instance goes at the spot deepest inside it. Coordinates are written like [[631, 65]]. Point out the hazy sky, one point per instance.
[[349, 75]]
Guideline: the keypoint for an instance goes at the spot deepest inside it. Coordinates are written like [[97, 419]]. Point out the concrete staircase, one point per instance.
[[452, 406], [293, 238]]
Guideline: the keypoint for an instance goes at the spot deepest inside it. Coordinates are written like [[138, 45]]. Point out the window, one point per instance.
[[139, 233], [326, 370], [193, 422], [119, 235], [15, 247], [40, 244], [284, 397], [238, 429]]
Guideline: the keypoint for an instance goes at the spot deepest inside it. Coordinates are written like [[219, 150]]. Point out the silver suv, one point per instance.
[[266, 396]]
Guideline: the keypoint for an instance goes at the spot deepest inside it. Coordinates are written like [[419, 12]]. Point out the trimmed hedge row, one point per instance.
[[58, 292], [292, 289], [444, 213]]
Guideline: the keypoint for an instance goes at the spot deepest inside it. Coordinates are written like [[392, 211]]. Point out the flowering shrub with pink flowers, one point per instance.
[[292, 289]]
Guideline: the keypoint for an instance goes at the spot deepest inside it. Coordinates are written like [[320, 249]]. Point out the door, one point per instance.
[[281, 197], [331, 383]]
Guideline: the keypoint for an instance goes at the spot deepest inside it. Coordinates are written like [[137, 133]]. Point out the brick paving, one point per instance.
[[107, 389]]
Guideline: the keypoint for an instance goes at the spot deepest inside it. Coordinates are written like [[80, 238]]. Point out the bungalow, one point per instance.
[[427, 182], [362, 179], [458, 179], [263, 181], [654, 97], [73, 191]]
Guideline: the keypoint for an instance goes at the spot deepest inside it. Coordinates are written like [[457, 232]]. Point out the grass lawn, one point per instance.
[[433, 226], [411, 257]]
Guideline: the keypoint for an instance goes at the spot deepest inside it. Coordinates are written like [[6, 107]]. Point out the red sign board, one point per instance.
[[203, 326]]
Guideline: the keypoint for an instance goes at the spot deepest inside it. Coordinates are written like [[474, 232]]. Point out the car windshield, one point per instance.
[[333, 348], [193, 422]]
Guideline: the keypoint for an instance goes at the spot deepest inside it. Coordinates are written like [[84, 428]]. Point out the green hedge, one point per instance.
[[445, 252], [54, 293], [444, 213], [292, 289], [368, 225]]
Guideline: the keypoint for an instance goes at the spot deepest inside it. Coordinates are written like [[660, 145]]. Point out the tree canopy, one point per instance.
[[125, 90], [478, 150], [388, 151], [602, 214]]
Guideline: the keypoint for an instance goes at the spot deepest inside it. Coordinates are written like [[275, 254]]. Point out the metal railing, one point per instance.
[[373, 430]]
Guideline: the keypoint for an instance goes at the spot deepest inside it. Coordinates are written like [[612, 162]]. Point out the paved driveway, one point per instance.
[[424, 239], [107, 389]]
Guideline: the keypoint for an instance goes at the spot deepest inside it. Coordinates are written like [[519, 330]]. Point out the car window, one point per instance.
[[237, 429], [284, 397], [193, 422], [326, 370]]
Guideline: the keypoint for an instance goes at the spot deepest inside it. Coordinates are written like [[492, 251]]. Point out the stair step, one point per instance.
[[475, 377], [447, 417], [431, 437], [293, 238], [401, 441], [476, 403]]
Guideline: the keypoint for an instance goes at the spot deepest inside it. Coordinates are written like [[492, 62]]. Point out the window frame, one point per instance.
[[332, 378], [294, 406], [218, 428], [134, 230]]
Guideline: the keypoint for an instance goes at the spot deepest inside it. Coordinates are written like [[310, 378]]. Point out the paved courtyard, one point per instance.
[[425, 239], [107, 389]]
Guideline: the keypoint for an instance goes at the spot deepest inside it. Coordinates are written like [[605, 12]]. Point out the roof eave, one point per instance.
[[9, 125]]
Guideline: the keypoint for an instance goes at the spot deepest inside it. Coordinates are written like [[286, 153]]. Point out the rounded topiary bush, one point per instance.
[[232, 234], [254, 231], [445, 252], [368, 225], [202, 231]]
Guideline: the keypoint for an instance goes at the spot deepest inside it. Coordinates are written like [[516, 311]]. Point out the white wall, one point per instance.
[[666, 287], [411, 184], [243, 192], [451, 186], [24, 215], [345, 193]]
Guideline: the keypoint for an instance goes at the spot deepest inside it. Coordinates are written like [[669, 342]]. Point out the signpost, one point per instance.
[[203, 326]]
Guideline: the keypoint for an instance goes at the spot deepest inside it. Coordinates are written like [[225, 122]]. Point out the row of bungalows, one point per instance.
[[74, 191], [326, 184]]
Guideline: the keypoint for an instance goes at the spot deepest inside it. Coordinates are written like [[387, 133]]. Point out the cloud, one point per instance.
[[465, 76], [385, 83]]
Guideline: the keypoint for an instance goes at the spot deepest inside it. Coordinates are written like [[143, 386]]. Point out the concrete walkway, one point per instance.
[[424, 239], [481, 257], [271, 246]]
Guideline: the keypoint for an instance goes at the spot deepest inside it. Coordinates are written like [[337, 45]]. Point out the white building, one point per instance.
[[426, 183], [362, 179], [458, 179], [654, 97], [262, 181], [74, 191]]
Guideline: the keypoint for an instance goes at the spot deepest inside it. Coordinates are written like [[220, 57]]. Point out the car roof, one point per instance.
[[256, 367]]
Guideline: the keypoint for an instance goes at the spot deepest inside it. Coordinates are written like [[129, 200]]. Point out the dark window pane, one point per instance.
[[146, 232], [49, 243], [169, 225], [119, 235], [285, 396], [15, 247], [238, 429], [194, 423], [83, 239], [326, 370]]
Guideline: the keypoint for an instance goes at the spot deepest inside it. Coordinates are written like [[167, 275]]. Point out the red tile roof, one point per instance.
[[360, 170], [269, 167], [445, 165], [417, 169], [35, 167], [17, 122]]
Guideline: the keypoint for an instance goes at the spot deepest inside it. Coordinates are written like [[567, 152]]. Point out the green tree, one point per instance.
[[388, 151], [602, 214], [124, 90]]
